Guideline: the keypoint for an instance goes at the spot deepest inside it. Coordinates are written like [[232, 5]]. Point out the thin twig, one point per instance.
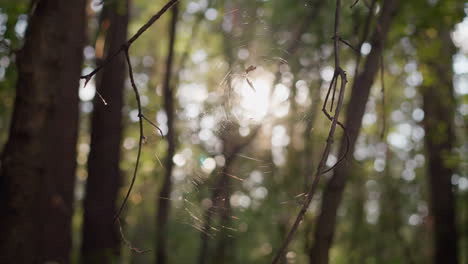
[[348, 144], [124, 48], [153, 124], [324, 109], [343, 80], [127, 243], [334, 91], [129, 42], [90, 75], [332, 86], [355, 3], [142, 136], [101, 97], [349, 45]]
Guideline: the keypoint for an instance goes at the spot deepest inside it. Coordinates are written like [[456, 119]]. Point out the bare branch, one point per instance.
[[151, 21], [349, 45], [339, 73], [153, 124], [140, 142], [355, 3], [125, 46], [348, 144], [334, 92], [128, 244]]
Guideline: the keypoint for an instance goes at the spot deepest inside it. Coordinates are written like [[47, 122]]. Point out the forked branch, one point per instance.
[[339, 75], [124, 48], [129, 42], [142, 136]]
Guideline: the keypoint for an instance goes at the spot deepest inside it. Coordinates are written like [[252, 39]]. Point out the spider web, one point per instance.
[[232, 134]]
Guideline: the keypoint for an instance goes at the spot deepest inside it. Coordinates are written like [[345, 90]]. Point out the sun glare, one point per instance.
[[254, 97]]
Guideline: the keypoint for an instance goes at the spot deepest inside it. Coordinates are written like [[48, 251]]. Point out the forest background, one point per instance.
[[218, 115]]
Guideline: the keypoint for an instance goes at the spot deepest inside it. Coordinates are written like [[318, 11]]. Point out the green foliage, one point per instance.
[[384, 214], [10, 42]]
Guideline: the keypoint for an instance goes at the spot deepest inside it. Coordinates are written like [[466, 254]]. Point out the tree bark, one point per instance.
[[333, 192], [220, 200], [233, 144], [165, 193], [39, 160], [439, 107], [101, 240]]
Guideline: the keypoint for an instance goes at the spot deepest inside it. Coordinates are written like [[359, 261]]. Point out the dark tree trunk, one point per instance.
[[439, 107], [165, 193], [38, 164], [220, 200], [233, 144], [389, 226], [333, 192], [101, 240], [225, 242]]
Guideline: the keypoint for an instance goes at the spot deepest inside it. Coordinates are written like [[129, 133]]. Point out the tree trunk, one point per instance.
[[224, 252], [389, 225], [333, 192], [439, 108], [38, 164], [165, 194], [220, 199], [233, 144], [101, 240]]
